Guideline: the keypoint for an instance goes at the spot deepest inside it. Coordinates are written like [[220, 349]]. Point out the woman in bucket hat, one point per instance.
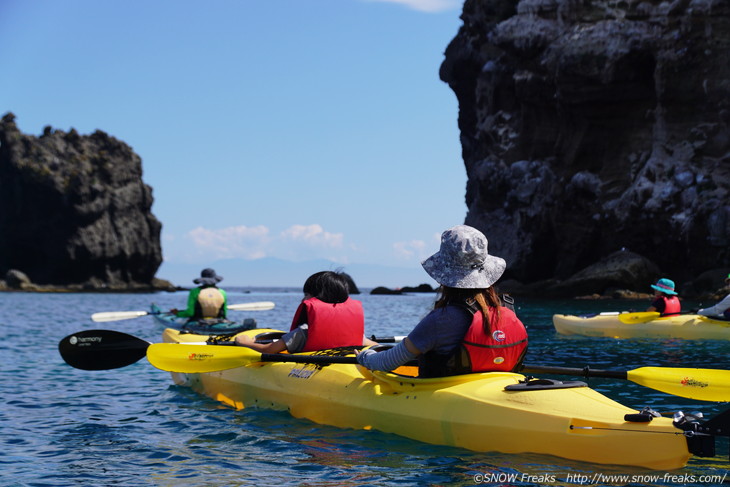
[[207, 301], [665, 301], [468, 330], [722, 309]]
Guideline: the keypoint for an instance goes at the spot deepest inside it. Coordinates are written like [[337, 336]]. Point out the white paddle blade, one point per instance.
[[117, 315], [258, 306]]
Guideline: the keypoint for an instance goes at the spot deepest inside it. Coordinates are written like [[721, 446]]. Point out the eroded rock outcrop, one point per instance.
[[588, 126], [74, 211]]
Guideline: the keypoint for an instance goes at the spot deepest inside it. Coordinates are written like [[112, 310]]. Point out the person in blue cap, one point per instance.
[[722, 309], [666, 301]]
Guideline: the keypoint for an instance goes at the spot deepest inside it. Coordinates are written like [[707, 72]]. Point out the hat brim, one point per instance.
[[465, 277], [665, 291], [208, 281]]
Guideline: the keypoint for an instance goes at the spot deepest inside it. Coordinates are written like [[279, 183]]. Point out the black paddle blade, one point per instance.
[[101, 349]]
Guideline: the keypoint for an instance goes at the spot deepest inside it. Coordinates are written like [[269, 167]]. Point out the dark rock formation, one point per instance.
[[421, 288], [588, 126], [385, 291], [620, 270], [75, 212]]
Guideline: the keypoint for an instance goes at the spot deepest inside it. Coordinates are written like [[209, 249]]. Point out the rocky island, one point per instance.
[[74, 214], [597, 133]]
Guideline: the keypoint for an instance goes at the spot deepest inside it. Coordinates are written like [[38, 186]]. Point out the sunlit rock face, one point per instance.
[[74, 210], [591, 126]]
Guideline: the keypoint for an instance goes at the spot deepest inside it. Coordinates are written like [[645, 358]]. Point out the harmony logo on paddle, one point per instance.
[[74, 340], [200, 356], [690, 382]]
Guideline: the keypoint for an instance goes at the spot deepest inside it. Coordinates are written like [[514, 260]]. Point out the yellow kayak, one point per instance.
[[490, 412], [643, 325]]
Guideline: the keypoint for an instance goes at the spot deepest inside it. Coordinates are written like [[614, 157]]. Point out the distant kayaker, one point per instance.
[[468, 330], [721, 309], [326, 318], [665, 300], [207, 301]]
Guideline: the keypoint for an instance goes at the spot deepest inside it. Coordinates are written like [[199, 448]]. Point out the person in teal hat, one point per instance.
[[721, 309], [666, 301]]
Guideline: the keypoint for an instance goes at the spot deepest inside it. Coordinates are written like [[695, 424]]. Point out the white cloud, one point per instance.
[[313, 235], [240, 241], [410, 250], [427, 5], [298, 242]]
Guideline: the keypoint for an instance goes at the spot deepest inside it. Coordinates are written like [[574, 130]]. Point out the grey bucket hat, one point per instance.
[[463, 260], [208, 277]]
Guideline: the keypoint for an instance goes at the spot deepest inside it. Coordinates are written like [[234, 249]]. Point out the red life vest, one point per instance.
[[672, 306], [503, 349], [331, 325]]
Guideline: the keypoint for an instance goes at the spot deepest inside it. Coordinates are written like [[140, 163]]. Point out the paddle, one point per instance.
[[190, 359], [106, 349], [693, 383], [128, 315]]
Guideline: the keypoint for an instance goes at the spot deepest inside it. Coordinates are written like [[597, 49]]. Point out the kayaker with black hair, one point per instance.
[[326, 318], [468, 330], [722, 309], [666, 301], [207, 301]]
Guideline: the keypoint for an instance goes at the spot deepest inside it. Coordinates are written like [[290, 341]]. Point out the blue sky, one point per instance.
[[296, 129]]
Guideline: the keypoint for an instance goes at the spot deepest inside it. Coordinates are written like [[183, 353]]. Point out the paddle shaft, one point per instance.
[[584, 372], [307, 359]]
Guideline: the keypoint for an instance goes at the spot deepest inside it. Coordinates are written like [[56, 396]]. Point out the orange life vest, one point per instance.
[[331, 325]]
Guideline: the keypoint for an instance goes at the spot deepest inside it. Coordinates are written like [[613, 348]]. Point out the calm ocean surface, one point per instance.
[[65, 427]]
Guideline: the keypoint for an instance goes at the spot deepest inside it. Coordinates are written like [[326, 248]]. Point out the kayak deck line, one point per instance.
[[493, 411]]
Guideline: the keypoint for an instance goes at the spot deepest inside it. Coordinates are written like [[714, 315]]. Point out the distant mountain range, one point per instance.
[[272, 272]]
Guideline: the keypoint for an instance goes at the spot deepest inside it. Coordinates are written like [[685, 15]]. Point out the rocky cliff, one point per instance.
[[590, 126], [74, 211]]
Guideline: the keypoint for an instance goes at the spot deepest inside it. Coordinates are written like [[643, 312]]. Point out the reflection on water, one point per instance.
[[60, 426]]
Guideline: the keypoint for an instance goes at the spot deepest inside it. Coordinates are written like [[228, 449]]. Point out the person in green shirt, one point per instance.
[[207, 301]]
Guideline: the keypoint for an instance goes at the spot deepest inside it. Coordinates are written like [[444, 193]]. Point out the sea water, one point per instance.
[[60, 426]]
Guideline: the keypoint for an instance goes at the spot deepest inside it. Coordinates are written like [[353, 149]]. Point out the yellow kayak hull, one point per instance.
[[643, 325], [470, 411]]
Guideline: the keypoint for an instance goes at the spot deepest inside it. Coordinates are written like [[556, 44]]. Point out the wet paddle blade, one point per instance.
[[101, 349], [178, 357], [258, 306], [701, 384], [117, 315]]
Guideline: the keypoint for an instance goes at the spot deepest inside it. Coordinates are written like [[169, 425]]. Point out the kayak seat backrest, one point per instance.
[[544, 384]]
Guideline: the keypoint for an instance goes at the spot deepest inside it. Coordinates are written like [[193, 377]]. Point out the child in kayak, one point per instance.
[[207, 301], [326, 318], [720, 310], [665, 301], [468, 330]]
